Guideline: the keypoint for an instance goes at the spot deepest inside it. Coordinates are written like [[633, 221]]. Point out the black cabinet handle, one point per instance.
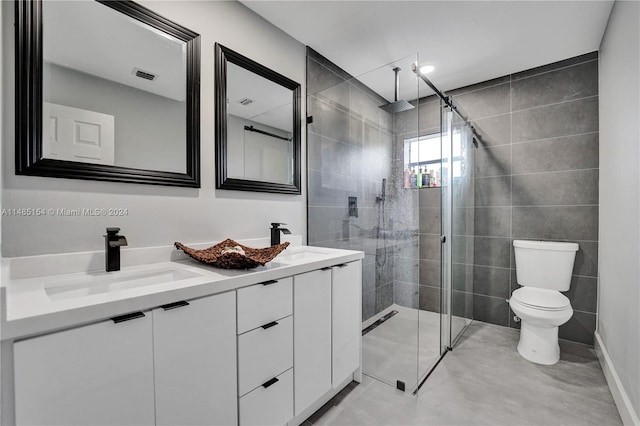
[[269, 282], [342, 265], [127, 317], [270, 382], [175, 305], [328, 268], [269, 325]]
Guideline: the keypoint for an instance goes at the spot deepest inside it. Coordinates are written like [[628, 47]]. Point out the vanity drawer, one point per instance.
[[262, 303], [271, 404], [264, 353]]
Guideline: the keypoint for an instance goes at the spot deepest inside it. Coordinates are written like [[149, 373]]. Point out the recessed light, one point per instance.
[[427, 69]]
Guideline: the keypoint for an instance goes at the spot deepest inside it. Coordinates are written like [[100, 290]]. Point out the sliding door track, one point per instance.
[[415, 392]]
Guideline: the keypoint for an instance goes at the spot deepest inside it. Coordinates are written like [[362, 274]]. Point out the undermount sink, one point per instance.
[[105, 282], [300, 254]]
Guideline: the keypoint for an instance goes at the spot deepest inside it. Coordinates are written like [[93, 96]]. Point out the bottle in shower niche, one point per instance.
[[407, 178], [426, 179], [413, 179], [420, 175]]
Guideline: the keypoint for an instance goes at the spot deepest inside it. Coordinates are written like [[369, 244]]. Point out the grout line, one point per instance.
[[350, 145], [535, 173], [485, 177], [525, 238], [486, 117], [555, 69], [527, 205], [554, 205], [510, 317], [556, 171], [555, 103], [584, 276], [482, 88], [556, 137]]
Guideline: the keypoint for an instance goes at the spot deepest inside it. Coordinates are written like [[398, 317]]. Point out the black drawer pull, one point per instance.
[[271, 324], [127, 317], [269, 382], [342, 265], [175, 305], [269, 282], [328, 268]]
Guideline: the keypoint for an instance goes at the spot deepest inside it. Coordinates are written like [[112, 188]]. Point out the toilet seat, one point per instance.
[[542, 299]]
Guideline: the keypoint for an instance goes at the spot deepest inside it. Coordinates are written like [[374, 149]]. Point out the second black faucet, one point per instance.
[[112, 244], [275, 232]]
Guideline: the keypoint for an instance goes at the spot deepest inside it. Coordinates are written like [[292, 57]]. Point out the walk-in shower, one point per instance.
[[416, 229]]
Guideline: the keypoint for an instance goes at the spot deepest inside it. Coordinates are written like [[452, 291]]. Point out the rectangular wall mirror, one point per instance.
[[257, 126], [106, 90]]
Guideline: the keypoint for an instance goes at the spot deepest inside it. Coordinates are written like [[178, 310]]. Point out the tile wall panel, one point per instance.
[[536, 177]]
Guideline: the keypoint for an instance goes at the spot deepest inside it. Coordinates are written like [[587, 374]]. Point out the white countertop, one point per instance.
[[28, 309]]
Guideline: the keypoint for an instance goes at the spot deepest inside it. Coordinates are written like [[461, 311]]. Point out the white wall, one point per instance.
[[619, 251], [157, 215], [149, 132], [251, 155]]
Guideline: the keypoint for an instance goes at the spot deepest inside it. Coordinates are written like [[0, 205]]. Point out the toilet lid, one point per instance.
[[541, 298]]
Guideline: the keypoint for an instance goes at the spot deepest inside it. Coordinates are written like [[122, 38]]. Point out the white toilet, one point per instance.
[[544, 269]]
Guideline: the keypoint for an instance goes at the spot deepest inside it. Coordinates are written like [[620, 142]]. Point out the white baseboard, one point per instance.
[[626, 410]]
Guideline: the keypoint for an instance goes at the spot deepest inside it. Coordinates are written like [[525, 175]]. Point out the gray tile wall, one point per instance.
[[536, 177], [417, 276]]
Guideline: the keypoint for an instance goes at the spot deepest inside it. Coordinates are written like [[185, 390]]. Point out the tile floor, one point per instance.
[[390, 351], [484, 381]]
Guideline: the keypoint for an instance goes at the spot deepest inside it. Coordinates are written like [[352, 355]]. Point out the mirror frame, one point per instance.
[[28, 107], [224, 55]]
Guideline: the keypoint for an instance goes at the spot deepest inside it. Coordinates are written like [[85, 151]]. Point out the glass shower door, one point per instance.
[[457, 227], [445, 223], [357, 200]]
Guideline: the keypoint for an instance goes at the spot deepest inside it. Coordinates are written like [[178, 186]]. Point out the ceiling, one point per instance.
[[270, 103], [94, 39], [467, 41]]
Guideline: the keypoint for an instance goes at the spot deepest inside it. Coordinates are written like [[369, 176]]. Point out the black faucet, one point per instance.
[[275, 232], [112, 244]]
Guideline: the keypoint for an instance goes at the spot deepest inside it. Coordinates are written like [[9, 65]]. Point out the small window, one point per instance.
[[424, 155]]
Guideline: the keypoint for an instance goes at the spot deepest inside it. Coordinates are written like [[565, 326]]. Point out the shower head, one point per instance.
[[397, 105]]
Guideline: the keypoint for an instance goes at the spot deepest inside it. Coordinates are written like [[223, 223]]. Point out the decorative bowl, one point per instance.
[[230, 254]]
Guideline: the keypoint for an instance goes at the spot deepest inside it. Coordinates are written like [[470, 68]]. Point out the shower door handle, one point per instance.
[[443, 239]]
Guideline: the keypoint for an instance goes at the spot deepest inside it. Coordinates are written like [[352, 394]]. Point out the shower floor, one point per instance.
[[404, 347]]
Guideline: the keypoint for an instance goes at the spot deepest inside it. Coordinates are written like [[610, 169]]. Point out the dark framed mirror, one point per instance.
[[258, 131], [106, 90]]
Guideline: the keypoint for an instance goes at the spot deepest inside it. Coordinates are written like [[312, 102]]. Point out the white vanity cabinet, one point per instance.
[[173, 365], [346, 280], [312, 337], [194, 347], [235, 351], [265, 353], [98, 374]]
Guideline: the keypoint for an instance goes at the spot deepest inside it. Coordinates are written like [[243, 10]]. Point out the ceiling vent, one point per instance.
[[144, 74], [246, 101]]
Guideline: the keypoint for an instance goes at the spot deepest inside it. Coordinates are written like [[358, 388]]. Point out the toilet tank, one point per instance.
[[544, 264]]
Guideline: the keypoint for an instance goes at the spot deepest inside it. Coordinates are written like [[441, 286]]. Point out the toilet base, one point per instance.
[[539, 344]]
